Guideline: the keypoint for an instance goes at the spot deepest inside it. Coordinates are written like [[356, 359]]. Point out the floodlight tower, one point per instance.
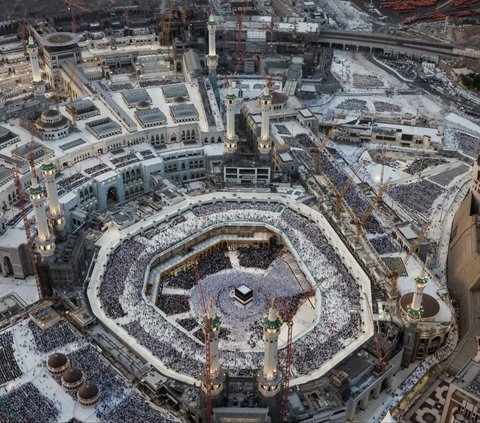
[[34, 62], [45, 240]]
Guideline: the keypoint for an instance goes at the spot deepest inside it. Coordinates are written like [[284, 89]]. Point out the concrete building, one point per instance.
[[463, 397], [463, 263]]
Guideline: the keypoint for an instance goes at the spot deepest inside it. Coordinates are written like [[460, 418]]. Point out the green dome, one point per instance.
[[268, 324], [36, 191], [414, 314], [421, 280], [47, 166], [211, 21]]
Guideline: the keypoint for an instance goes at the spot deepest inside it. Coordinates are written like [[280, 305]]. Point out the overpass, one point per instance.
[[393, 45]]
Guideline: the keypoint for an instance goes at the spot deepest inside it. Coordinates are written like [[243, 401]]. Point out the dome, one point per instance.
[[430, 305], [72, 375], [88, 392], [57, 360], [50, 113], [143, 105]]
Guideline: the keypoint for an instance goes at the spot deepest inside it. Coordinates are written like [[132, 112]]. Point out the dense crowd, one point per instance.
[[113, 281], [419, 165], [9, 369], [353, 104], [418, 197], [155, 82], [125, 160], [355, 200], [214, 262], [468, 144], [133, 409], [70, 182], [261, 257], [188, 324], [184, 279], [121, 289], [95, 169], [53, 337], [97, 371], [173, 304], [383, 106], [147, 154], [26, 404], [366, 81], [385, 244]]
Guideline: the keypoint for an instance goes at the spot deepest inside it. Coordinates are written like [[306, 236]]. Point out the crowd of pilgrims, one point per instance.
[[467, 143], [120, 292], [419, 165], [417, 197], [355, 200], [9, 369], [26, 404], [261, 258], [384, 244], [53, 337], [133, 409]]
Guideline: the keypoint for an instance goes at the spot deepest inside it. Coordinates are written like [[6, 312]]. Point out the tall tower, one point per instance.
[[415, 310], [269, 378], [45, 240], [36, 73], [212, 323], [264, 143], [230, 143], [212, 58], [55, 214]]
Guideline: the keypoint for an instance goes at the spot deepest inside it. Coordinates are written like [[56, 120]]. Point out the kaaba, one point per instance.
[[244, 295]]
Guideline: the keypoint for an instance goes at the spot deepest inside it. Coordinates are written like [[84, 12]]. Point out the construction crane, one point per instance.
[[318, 152], [287, 364], [73, 112], [397, 272], [26, 223], [340, 194], [208, 359], [240, 55], [22, 30], [381, 355], [360, 221]]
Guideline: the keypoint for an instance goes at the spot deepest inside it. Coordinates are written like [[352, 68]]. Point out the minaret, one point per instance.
[[415, 310], [269, 377], [56, 215], [264, 142], [230, 143], [45, 240], [211, 323], [36, 73], [212, 58]]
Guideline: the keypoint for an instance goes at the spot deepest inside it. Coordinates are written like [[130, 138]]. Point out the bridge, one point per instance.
[[393, 45]]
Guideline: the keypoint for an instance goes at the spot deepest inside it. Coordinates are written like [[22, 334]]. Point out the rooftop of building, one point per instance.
[[469, 378]]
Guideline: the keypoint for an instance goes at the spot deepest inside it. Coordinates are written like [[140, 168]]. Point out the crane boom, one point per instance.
[[340, 194], [396, 273], [359, 222]]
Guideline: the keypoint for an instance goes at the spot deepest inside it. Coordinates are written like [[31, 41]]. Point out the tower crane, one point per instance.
[[318, 152], [208, 359], [381, 355], [340, 194], [287, 365], [359, 222], [396, 273]]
